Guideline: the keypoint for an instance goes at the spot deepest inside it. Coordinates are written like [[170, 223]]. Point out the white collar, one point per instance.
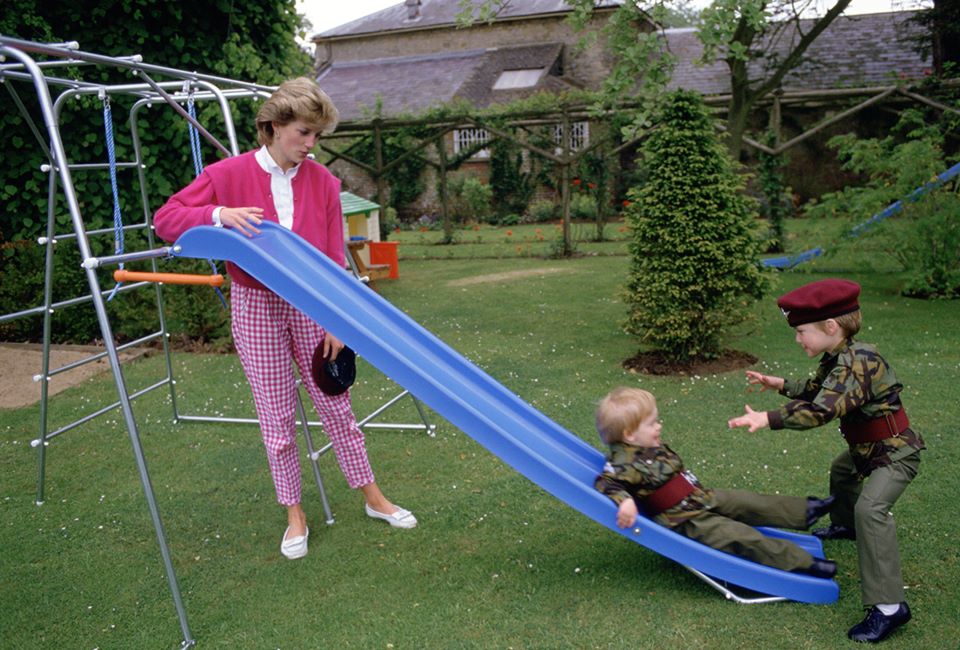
[[270, 165]]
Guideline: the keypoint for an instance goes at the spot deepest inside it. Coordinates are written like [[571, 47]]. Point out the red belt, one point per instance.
[[890, 425], [668, 495]]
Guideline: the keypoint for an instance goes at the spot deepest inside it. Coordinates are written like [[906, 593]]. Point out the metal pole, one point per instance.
[[60, 158]]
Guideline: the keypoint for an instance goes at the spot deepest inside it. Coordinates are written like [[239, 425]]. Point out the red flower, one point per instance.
[[576, 181], [626, 203], [592, 186]]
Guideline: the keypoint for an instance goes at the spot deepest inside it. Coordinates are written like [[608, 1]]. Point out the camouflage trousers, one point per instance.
[[865, 506], [729, 527]]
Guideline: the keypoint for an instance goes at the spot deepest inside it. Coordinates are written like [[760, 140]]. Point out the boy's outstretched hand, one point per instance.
[[766, 382], [753, 419]]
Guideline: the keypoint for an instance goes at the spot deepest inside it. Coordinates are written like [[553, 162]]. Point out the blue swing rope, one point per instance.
[[194, 137], [112, 158], [198, 169]]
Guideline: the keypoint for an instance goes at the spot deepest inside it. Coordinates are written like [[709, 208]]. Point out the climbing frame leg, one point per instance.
[[314, 456]]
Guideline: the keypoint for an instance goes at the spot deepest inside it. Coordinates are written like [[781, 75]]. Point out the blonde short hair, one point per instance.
[[622, 410], [297, 99], [849, 323]]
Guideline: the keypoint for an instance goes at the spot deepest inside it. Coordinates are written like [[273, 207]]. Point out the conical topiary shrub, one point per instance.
[[694, 267]]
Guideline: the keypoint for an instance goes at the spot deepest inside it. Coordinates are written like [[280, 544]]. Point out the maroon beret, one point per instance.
[[819, 301]]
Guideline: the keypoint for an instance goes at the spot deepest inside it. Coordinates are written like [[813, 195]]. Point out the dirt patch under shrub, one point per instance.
[[654, 363]]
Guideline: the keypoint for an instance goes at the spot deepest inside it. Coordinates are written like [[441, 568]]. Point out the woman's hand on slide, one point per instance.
[[245, 220]]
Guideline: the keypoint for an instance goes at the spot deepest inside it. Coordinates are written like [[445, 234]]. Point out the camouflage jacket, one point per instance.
[[853, 383], [634, 472]]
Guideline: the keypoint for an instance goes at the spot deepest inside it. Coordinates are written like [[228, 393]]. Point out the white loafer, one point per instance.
[[400, 519], [295, 547]]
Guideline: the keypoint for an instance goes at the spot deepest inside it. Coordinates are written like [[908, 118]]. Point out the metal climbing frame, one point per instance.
[[32, 65]]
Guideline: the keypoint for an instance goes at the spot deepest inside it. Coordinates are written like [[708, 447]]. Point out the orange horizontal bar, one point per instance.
[[123, 275]]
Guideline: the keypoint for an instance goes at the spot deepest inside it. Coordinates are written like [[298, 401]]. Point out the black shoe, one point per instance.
[[817, 508], [821, 569], [835, 532], [877, 626]]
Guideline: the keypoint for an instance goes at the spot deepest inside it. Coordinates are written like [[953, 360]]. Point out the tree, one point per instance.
[[694, 259], [942, 37], [744, 31]]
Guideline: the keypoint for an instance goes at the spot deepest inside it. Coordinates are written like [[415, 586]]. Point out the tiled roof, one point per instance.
[[478, 89], [861, 50], [412, 84], [870, 49], [435, 13], [405, 84]]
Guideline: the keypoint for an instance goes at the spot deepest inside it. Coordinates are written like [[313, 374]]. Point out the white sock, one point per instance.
[[887, 609]]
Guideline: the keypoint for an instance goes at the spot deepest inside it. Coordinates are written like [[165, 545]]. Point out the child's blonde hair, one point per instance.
[[621, 411], [297, 99], [849, 323]]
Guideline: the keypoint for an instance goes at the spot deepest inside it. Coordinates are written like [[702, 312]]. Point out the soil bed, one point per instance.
[[654, 363]]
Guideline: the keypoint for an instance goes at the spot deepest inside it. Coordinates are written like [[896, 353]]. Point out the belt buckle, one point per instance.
[[891, 423]]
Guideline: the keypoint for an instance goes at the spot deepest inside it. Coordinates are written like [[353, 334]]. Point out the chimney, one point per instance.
[[413, 9]]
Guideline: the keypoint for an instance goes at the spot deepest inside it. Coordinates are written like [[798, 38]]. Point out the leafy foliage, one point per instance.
[[776, 206], [895, 166], [510, 178], [470, 198], [693, 270], [249, 41]]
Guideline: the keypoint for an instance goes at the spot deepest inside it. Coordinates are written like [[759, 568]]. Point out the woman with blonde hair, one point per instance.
[[277, 182]]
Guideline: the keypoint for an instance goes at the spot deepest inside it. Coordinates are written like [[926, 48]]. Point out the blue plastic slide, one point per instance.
[[532, 444]]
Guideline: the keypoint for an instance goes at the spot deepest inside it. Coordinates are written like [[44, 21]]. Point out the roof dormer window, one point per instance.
[[522, 78], [413, 9]]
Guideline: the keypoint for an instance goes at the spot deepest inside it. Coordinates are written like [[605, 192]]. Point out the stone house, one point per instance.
[[412, 56]]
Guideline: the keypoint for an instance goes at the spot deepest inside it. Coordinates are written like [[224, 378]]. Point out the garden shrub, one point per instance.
[[388, 223], [21, 288], [542, 210], [932, 249], [583, 206], [478, 197], [694, 267], [470, 198]]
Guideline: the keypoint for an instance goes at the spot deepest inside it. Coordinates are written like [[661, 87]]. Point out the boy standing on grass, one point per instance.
[[856, 385], [641, 472]]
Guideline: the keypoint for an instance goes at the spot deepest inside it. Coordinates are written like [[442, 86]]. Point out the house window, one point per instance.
[[465, 139], [525, 78], [579, 135]]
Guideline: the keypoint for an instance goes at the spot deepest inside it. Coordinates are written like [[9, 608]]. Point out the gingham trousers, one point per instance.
[[268, 333]]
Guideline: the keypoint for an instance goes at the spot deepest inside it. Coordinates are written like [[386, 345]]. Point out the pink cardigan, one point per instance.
[[240, 182]]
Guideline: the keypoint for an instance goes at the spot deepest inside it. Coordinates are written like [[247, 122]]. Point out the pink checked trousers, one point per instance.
[[268, 333]]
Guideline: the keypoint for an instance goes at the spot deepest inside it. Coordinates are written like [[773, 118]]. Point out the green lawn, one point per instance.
[[496, 562]]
